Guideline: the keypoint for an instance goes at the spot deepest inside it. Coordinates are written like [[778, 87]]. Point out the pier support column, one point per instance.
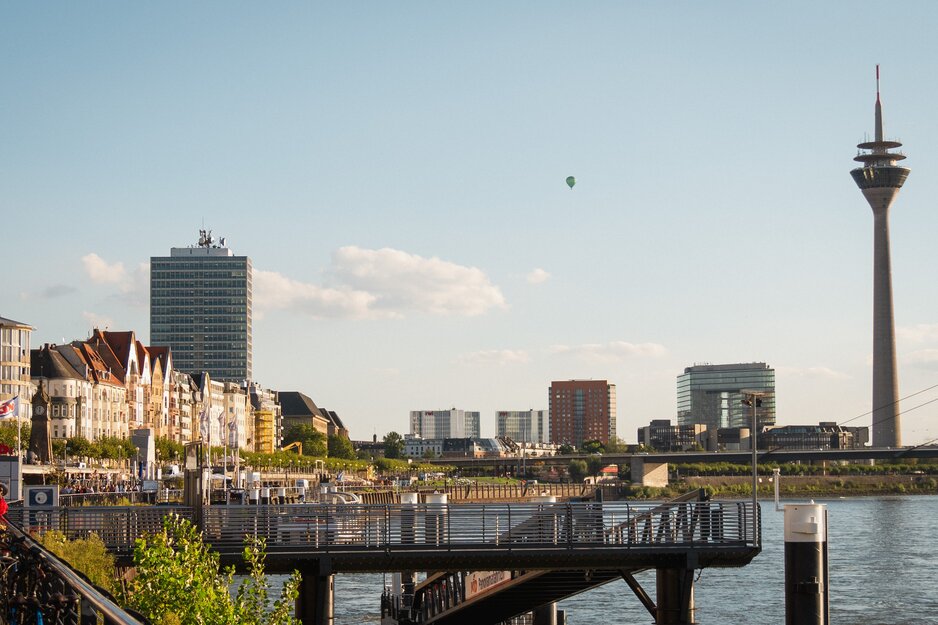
[[806, 569], [315, 604], [545, 614], [675, 593], [649, 473]]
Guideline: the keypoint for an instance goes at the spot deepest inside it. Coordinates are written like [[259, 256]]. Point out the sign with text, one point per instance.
[[480, 582]]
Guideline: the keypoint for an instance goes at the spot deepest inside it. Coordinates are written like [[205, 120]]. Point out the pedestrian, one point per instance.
[[3, 501]]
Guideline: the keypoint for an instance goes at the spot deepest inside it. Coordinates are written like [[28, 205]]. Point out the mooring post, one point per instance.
[[806, 568], [675, 593], [315, 603]]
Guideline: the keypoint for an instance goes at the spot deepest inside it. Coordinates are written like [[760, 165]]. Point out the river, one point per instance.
[[883, 559]]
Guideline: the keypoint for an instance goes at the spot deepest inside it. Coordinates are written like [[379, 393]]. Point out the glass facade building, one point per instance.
[[711, 395], [525, 426], [200, 307]]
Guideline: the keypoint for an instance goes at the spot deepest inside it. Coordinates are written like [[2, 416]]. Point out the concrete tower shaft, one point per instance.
[[880, 180]]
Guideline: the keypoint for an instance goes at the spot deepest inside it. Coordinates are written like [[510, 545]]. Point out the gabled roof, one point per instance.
[[163, 356], [47, 362], [98, 342], [334, 418], [296, 404], [99, 370]]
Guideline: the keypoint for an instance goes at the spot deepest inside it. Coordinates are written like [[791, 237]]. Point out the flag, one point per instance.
[[9, 408], [203, 425]]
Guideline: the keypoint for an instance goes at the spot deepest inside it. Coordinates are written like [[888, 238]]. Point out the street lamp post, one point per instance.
[[754, 399]]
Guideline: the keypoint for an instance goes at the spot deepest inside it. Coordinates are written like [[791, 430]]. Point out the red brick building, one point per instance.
[[582, 410]]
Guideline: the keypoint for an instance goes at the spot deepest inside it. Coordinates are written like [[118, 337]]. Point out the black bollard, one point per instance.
[[806, 568]]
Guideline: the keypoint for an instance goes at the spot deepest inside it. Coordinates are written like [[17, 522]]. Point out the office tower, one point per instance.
[[200, 307], [880, 180], [582, 410], [711, 395], [523, 426], [451, 423]]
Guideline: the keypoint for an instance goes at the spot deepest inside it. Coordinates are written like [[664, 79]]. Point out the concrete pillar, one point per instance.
[[435, 521], [806, 565], [545, 615], [675, 594], [315, 605], [649, 473]]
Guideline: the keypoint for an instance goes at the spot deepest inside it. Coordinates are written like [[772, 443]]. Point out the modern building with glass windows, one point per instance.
[[200, 307], [523, 426], [445, 423], [711, 395]]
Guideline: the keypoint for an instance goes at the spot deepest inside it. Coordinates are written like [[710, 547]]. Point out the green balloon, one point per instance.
[[571, 181]]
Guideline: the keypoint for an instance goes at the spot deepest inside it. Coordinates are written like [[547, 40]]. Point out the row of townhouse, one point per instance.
[[111, 384]]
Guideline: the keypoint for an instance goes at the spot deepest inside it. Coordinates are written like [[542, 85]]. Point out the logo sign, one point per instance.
[[479, 582], [42, 496]]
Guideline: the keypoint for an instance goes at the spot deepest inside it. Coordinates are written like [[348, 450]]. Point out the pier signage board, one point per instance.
[[480, 582]]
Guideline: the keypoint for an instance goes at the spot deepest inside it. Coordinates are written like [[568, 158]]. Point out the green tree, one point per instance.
[[80, 447], [168, 450], [592, 447], [577, 470], [341, 447], [616, 446], [595, 464], [565, 449], [313, 441], [393, 445], [179, 580], [8, 433]]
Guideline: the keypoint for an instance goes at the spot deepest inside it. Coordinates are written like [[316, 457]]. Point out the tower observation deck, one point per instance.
[[880, 178]]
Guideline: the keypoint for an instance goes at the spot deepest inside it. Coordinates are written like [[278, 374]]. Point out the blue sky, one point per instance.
[[396, 173]]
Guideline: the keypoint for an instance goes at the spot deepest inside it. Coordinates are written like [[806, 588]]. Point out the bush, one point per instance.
[[88, 555]]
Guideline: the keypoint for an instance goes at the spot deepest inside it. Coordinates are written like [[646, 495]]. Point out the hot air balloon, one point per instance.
[[571, 181]]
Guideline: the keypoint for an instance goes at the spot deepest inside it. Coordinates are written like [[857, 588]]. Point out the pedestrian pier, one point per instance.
[[558, 543]]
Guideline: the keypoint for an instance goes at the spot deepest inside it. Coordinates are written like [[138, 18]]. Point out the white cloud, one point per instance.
[[101, 272], [500, 357], [537, 276], [380, 284], [924, 359], [919, 333], [616, 351], [408, 282], [811, 372], [273, 291]]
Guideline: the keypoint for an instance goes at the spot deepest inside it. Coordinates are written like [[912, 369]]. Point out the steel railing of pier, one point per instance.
[[428, 526]]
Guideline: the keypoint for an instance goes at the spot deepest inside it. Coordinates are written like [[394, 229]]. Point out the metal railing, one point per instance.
[[37, 587], [357, 527]]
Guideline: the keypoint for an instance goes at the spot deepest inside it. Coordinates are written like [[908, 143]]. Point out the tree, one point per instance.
[[616, 445], [313, 441], [179, 580], [595, 464], [341, 447], [8, 432], [565, 449], [393, 445], [168, 450], [592, 447], [80, 447], [577, 470]]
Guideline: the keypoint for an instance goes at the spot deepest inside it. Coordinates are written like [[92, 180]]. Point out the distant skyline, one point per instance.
[[397, 174]]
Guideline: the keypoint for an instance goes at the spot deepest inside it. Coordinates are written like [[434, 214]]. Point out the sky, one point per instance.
[[396, 172]]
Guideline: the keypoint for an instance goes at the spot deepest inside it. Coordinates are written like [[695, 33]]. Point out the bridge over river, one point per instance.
[[587, 541]]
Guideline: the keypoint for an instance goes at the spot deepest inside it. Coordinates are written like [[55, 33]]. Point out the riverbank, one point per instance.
[[815, 485]]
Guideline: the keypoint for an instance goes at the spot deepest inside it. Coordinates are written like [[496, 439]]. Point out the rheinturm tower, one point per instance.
[[880, 180]]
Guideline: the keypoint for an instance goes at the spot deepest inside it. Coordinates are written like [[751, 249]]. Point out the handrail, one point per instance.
[[105, 605]]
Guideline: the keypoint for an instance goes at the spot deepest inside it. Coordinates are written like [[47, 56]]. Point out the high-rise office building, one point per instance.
[[712, 395], [445, 423], [582, 410], [523, 426], [880, 180], [200, 307]]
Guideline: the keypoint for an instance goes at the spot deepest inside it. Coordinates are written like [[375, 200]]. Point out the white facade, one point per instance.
[[14, 365]]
